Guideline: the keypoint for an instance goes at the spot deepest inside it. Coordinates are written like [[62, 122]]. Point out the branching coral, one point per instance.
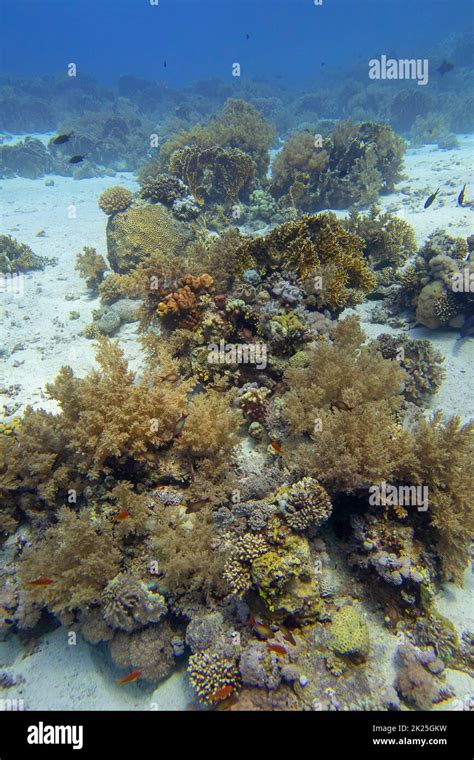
[[421, 361], [305, 504], [389, 240], [238, 126], [318, 247], [213, 676], [18, 257]]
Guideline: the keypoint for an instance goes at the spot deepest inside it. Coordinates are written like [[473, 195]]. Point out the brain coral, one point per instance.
[[350, 634], [115, 199], [139, 233]]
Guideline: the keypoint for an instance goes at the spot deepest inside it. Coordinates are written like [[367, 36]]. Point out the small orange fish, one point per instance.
[[222, 693], [43, 580], [123, 515], [276, 447], [279, 649], [180, 425], [133, 676]]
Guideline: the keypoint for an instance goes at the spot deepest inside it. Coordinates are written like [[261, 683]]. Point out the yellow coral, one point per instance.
[[115, 199]]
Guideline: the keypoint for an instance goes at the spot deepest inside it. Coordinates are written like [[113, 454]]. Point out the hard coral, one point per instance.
[[389, 240], [210, 674], [140, 233], [115, 199], [18, 257], [306, 504], [353, 165], [318, 247], [214, 174]]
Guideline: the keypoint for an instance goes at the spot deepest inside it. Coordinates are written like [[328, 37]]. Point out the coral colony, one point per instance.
[[194, 511]]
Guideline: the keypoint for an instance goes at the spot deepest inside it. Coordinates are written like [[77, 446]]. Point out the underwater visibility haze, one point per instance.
[[237, 292]]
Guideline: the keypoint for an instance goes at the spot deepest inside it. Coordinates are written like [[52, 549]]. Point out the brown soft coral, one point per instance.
[[345, 402], [441, 459], [91, 266], [108, 418], [79, 559]]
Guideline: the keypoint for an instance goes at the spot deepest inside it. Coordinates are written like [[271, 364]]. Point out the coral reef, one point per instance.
[[215, 173]]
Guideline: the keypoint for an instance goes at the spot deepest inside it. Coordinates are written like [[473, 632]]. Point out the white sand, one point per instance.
[[38, 338]]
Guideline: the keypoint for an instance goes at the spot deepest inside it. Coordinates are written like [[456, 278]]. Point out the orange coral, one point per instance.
[[184, 302]]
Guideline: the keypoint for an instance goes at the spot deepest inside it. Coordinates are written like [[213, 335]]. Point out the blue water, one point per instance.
[[202, 38]]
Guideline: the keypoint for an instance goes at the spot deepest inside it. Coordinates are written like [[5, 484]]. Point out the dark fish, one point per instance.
[[445, 67], [76, 159], [430, 200], [165, 64], [247, 36], [323, 63], [468, 328], [461, 196], [61, 139]]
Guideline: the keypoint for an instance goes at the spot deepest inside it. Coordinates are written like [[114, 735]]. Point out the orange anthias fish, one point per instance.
[[279, 649], [276, 447], [133, 676], [43, 580], [123, 515], [222, 693]]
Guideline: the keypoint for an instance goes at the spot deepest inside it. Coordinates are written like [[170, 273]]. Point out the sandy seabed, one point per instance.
[[42, 330]]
